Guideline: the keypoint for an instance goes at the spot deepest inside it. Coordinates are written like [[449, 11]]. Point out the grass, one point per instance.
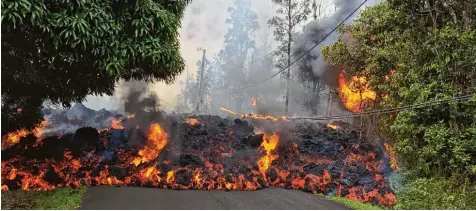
[[354, 204], [57, 199]]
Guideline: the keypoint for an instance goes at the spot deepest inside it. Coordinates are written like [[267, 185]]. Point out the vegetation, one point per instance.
[[413, 52], [56, 199], [353, 204], [290, 14], [63, 50]]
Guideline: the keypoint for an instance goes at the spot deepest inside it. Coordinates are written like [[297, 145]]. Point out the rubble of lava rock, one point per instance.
[[204, 152]]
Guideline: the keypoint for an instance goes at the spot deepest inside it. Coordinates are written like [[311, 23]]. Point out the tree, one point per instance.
[[414, 52], [62, 51], [290, 14], [230, 62]]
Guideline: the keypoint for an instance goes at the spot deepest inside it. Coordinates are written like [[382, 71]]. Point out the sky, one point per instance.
[[202, 26]]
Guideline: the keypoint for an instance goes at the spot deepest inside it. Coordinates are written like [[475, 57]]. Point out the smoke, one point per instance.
[[316, 31], [139, 100]]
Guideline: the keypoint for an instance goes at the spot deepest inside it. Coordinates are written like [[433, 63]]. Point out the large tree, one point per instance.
[[290, 13], [63, 50], [230, 63], [414, 52]]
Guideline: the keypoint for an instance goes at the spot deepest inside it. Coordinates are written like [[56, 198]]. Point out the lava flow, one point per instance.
[[216, 154]]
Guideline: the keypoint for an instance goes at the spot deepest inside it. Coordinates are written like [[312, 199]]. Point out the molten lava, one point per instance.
[[355, 93], [220, 154], [157, 140], [192, 121], [14, 137], [229, 111], [269, 144], [332, 126]]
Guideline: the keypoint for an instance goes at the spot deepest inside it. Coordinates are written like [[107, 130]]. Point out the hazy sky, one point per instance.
[[202, 26]]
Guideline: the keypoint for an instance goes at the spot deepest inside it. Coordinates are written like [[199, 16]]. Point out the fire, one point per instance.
[[392, 155], [229, 111], [355, 92], [14, 137], [158, 139], [269, 144], [192, 121], [19, 110], [131, 116], [254, 101], [257, 116], [116, 124], [332, 126]]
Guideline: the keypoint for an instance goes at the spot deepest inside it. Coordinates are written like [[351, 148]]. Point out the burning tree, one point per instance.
[[412, 52]]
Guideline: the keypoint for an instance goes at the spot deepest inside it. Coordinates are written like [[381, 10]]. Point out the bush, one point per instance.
[[436, 193]]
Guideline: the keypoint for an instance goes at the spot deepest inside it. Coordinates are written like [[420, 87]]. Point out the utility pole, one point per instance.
[[200, 81], [288, 74], [186, 88]]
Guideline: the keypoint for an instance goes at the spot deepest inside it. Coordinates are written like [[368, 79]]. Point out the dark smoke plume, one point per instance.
[[312, 65]]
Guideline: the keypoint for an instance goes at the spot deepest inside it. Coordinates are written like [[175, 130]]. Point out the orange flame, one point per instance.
[[158, 139], [229, 111], [14, 137], [355, 92], [332, 126], [254, 101], [392, 155], [116, 124], [192, 121], [269, 144]]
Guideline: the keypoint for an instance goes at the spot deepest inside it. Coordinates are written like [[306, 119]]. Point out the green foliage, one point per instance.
[[354, 204], [63, 50], [56, 199], [433, 194], [414, 53]]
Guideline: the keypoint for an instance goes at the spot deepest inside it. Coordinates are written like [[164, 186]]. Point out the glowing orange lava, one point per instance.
[[332, 126], [157, 140], [355, 92], [192, 121], [269, 144], [229, 111]]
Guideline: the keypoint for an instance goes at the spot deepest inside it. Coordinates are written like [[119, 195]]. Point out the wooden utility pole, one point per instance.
[[200, 82], [288, 74]]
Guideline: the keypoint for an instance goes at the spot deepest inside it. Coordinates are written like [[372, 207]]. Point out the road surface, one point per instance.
[[136, 198]]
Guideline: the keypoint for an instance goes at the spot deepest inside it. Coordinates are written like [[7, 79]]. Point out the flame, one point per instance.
[[229, 111], [116, 124], [192, 121], [332, 126], [131, 116], [14, 137], [392, 155], [269, 144], [19, 110], [254, 101], [350, 94], [158, 139]]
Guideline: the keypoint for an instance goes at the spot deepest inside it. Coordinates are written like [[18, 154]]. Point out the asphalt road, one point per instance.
[[136, 198]]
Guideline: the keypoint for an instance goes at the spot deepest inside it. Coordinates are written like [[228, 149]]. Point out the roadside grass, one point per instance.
[[354, 204], [57, 199]]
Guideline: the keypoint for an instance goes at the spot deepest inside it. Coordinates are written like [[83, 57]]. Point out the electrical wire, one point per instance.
[[385, 111], [300, 57]]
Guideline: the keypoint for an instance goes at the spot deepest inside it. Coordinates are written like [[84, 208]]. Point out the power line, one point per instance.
[[388, 110], [300, 57]]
